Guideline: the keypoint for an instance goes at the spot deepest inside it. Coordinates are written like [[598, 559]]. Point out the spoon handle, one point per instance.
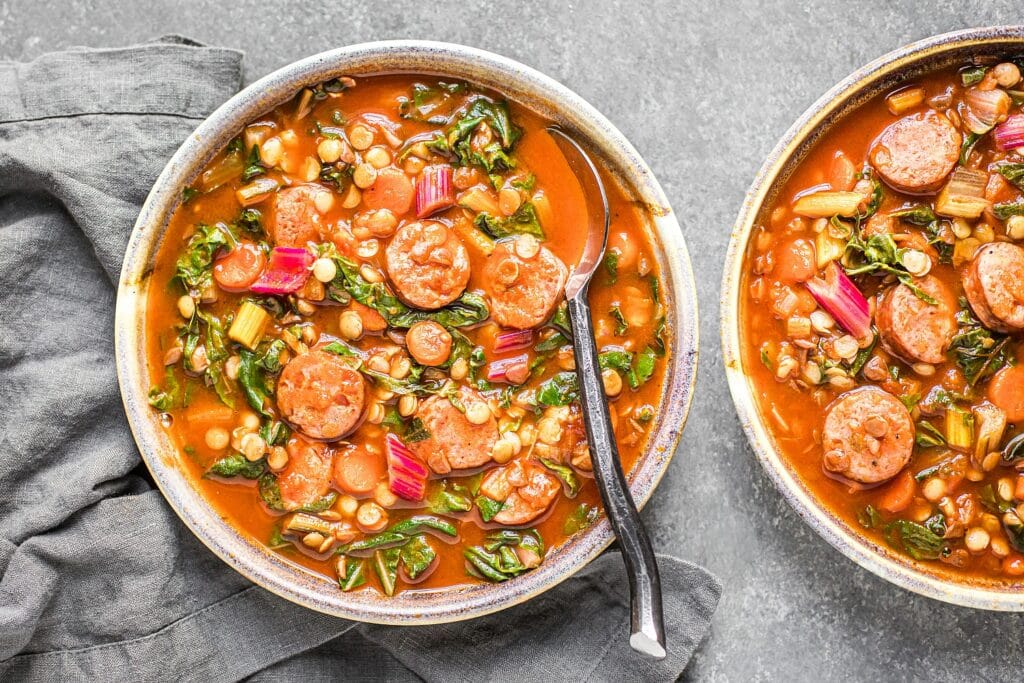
[[648, 628]]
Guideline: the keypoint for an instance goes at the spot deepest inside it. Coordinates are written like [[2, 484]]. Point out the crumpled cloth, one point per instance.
[[98, 578]]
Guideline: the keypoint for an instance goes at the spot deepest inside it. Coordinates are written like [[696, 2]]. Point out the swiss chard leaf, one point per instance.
[[1014, 173], [611, 264], [444, 501], [1006, 209], [583, 516], [523, 221], [254, 385], [417, 556], [253, 164], [560, 390], [488, 508], [565, 473], [385, 563], [167, 397], [194, 268], [978, 351], [918, 541], [236, 465], [354, 575]]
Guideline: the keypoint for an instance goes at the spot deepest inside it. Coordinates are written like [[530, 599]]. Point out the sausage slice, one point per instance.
[[524, 282], [994, 285], [428, 264], [321, 395], [914, 329], [454, 443], [295, 219], [916, 153], [307, 476], [868, 435]]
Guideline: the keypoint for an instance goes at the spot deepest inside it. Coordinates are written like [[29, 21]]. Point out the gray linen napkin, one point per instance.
[[98, 578]]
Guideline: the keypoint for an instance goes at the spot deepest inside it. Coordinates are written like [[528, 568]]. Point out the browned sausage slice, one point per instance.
[[868, 435], [994, 285], [428, 264], [307, 476], [455, 443], [916, 153], [295, 219], [914, 329], [524, 282], [321, 395]]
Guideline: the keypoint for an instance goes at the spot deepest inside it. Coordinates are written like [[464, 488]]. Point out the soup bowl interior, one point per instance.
[[520, 84], [881, 76]]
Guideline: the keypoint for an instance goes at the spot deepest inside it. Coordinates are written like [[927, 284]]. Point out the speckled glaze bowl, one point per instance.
[[519, 83], [883, 75]]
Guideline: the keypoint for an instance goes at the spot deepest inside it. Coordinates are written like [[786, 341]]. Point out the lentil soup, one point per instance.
[[361, 348], [882, 309]]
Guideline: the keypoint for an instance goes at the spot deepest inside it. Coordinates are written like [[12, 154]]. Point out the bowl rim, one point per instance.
[[837, 102], [519, 83]]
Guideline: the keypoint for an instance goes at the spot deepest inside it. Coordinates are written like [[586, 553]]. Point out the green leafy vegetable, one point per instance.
[[560, 390], [488, 508], [972, 75], [188, 194], [1006, 209], [621, 326], [275, 432], [928, 436], [419, 523], [254, 385], [919, 214], [523, 221], [235, 465], [417, 556], [869, 518], [565, 473], [611, 264], [385, 563], [497, 559], [583, 516], [978, 351], [167, 397], [354, 575], [970, 141], [443, 501], [429, 102], [880, 255], [340, 348], [914, 539], [457, 139], [253, 164], [195, 265], [251, 221], [1014, 173]]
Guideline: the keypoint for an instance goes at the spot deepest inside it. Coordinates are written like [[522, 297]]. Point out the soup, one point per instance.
[[883, 307], [358, 335]]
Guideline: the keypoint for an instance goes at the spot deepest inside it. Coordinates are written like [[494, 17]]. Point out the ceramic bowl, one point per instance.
[[883, 75], [519, 83]]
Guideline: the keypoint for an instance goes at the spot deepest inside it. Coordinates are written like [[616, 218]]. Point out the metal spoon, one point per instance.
[[648, 628]]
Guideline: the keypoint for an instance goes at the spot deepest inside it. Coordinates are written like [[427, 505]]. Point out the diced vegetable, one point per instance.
[[839, 296], [286, 272], [829, 203], [385, 563], [828, 248], [249, 325], [959, 428], [256, 191], [904, 100], [985, 108], [479, 200], [1010, 133], [229, 168], [964, 194], [990, 422], [511, 341], [434, 190], [407, 476], [470, 234], [497, 370]]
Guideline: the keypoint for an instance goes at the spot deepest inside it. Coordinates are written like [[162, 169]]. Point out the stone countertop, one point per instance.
[[704, 91]]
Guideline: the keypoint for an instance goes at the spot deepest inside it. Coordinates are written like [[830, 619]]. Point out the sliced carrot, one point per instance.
[[1006, 390], [899, 494], [371, 319], [392, 190], [211, 412], [240, 267], [795, 262], [358, 471]]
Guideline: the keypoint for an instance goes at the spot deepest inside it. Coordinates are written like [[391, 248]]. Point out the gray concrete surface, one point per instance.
[[703, 90]]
